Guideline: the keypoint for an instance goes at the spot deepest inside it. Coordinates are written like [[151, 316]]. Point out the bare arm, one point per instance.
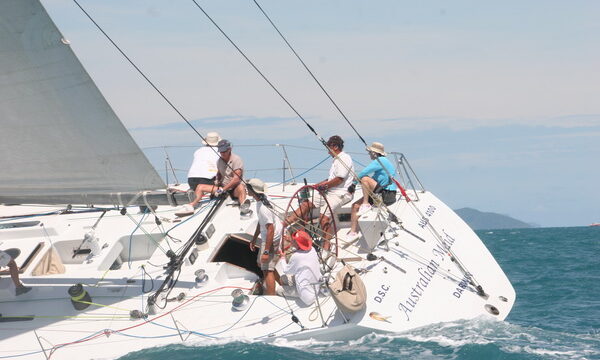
[[330, 183], [268, 243], [237, 178], [253, 241]]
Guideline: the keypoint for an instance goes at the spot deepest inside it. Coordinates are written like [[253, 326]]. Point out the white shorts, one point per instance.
[[335, 200], [273, 257], [5, 258]]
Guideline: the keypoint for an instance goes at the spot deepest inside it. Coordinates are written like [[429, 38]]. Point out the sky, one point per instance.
[[495, 105]]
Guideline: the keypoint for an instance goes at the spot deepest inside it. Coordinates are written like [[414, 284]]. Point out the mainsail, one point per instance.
[[59, 138]]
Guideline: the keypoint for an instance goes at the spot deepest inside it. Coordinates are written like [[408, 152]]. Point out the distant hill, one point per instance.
[[478, 220]]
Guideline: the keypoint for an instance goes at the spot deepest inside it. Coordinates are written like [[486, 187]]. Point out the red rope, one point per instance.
[[56, 347]]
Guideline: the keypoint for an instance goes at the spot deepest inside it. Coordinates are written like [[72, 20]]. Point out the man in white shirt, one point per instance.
[[202, 173], [300, 276], [269, 227], [337, 188]]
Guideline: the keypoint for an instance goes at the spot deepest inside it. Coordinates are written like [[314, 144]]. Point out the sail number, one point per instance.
[[425, 218], [430, 210]]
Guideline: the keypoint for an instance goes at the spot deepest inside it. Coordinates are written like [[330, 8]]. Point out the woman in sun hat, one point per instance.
[[374, 179]]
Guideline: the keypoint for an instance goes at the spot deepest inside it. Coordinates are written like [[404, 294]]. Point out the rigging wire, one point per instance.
[[288, 103], [140, 71], [309, 71]]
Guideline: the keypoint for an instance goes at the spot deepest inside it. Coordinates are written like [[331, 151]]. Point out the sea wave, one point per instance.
[[473, 339]]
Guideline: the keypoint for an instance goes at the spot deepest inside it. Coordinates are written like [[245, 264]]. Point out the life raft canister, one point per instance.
[[348, 290]]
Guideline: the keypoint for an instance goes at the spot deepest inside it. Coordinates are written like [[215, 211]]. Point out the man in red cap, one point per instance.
[[300, 276]]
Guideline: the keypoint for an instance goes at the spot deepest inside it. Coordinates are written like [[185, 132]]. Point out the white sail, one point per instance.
[[58, 135]]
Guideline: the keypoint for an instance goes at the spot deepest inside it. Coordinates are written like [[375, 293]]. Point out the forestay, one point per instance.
[[59, 137]]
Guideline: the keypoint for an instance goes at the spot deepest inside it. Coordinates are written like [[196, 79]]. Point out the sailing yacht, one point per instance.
[[93, 230]]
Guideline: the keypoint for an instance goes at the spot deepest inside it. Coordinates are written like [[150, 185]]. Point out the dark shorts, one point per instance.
[[388, 196], [195, 181]]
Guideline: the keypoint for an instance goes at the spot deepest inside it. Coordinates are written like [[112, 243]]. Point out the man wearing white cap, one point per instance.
[[269, 227], [374, 179], [202, 173]]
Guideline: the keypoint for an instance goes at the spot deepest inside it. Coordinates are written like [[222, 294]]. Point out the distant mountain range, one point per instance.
[[479, 220]]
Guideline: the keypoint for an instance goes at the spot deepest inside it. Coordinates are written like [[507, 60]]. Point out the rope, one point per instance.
[[131, 237], [139, 225], [147, 321], [99, 305]]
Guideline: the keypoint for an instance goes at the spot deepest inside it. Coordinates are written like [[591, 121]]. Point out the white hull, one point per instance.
[[414, 284]]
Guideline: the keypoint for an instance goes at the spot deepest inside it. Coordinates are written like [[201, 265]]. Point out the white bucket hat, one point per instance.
[[257, 185], [377, 148], [211, 139]]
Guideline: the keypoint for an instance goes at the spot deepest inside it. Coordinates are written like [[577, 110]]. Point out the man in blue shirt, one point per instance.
[[375, 178]]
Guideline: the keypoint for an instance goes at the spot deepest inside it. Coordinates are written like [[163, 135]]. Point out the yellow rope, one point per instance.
[[96, 304], [79, 297]]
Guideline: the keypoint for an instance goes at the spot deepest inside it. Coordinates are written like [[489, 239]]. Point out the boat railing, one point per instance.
[[406, 174], [290, 174]]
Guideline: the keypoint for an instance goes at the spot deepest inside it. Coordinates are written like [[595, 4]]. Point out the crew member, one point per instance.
[[269, 227], [202, 173], [300, 276], [229, 176], [7, 260], [374, 179]]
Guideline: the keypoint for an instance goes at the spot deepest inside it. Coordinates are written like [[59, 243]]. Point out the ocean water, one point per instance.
[[556, 273]]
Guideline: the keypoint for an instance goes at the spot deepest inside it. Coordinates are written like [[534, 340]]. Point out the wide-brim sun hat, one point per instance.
[[257, 185], [377, 147], [212, 139], [302, 239]]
